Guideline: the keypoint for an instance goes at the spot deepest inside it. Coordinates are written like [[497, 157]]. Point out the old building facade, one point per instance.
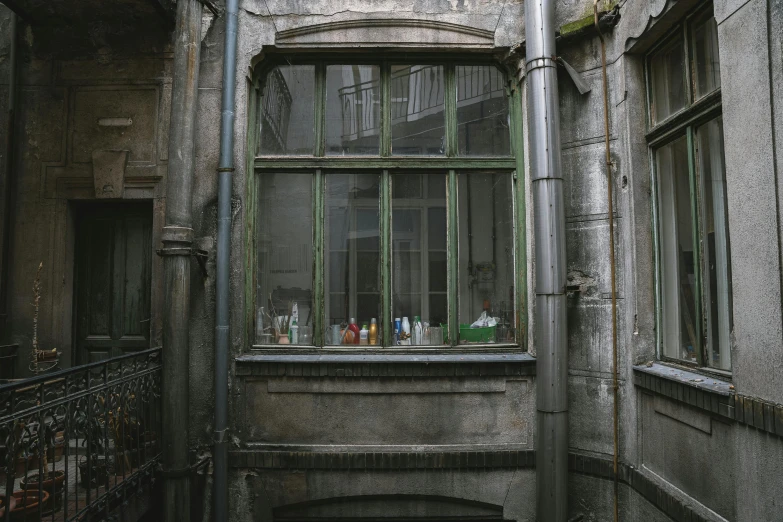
[[385, 164]]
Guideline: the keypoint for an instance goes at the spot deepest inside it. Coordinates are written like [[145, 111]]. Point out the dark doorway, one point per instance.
[[113, 279]]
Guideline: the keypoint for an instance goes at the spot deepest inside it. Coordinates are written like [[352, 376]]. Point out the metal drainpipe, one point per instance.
[[225, 173], [9, 182], [177, 240], [548, 214]]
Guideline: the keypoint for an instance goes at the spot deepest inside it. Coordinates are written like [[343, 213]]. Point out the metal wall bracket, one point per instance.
[[581, 85], [209, 5], [200, 255]]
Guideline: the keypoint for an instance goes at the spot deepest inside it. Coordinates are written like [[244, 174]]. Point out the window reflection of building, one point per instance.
[[276, 111]]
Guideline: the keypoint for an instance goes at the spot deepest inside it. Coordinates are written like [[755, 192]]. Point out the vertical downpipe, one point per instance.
[[225, 173], [549, 221], [177, 240]]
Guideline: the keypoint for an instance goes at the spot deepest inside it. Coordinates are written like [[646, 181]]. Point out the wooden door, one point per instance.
[[112, 286]]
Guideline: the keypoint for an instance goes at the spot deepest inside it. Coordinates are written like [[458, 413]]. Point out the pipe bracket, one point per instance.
[[539, 63], [200, 255]]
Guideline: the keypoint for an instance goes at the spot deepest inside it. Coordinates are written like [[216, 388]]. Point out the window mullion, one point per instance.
[[320, 108], [386, 111], [520, 206], [318, 259], [386, 285], [697, 246], [451, 109], [452, 260]]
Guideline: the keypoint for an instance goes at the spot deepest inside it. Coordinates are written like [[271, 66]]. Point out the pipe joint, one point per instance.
[[178, 235]]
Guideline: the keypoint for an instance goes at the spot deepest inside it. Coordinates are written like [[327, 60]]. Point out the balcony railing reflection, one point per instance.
[[423, 94], [92, 432]]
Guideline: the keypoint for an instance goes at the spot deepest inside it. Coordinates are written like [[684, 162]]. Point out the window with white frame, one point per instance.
[[686, 144]]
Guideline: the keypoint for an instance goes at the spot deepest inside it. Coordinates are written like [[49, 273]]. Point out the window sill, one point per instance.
[[358, 364], [710, 394], [696, 389]]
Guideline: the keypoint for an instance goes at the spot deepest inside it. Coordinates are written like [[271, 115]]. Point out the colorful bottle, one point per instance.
[[373, 332], [397, 331], [354, 328], [405, 333]]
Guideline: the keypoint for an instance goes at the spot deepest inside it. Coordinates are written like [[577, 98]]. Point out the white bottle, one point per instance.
[[417, 331], [406, 330], [364, 335]]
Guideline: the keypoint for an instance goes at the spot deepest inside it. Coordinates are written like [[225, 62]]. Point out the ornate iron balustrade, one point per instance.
[[422, 93], [92, 432], [276, 109]]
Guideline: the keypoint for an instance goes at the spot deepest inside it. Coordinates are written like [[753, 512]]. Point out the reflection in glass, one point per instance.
[[486, 253], [353, 121], [482, 111], [679, 324], [419, 274], [287, 115], [715, 240], [285, 250], [417, 107], [667, 70], [705, 41], [352, 239]]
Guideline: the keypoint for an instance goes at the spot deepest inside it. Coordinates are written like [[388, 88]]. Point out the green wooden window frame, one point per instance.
[[678, 125], [449, 163]]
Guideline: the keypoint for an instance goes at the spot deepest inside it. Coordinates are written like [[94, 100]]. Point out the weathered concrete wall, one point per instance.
[[723, 469], [61, 97]]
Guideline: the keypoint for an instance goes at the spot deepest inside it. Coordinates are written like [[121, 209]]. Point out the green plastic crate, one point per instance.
[[484, 334]]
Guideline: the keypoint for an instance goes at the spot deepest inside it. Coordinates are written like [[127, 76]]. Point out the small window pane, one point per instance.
[[353, 110], [288, 111], [707, 71], [482, 111], [486, 255], [678, 281], [419, 254], [667, 70], [717, 268], [285, 254], [417, 107], [353, 242]]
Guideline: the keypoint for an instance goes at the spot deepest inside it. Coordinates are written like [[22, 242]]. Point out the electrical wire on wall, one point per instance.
[[609, 184]]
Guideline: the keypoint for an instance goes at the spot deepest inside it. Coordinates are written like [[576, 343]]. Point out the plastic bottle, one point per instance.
[[417, 331], [405, 332], [364, 335], [373, 332], [354, 328], [397, 330], [294, 335]]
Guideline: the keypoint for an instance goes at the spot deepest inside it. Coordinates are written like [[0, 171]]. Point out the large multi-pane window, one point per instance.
[[686, 141], [385, 190]]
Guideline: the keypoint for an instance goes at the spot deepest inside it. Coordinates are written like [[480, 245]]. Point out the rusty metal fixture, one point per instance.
[[610, 203]]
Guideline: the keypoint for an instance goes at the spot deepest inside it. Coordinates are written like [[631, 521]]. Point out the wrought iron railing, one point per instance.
[[276, 109], [418, 92], [92, 432]]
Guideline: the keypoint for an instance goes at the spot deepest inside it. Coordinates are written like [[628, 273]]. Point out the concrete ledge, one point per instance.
[[674, 506], [356, 461], [710, 394], [385, 365]]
